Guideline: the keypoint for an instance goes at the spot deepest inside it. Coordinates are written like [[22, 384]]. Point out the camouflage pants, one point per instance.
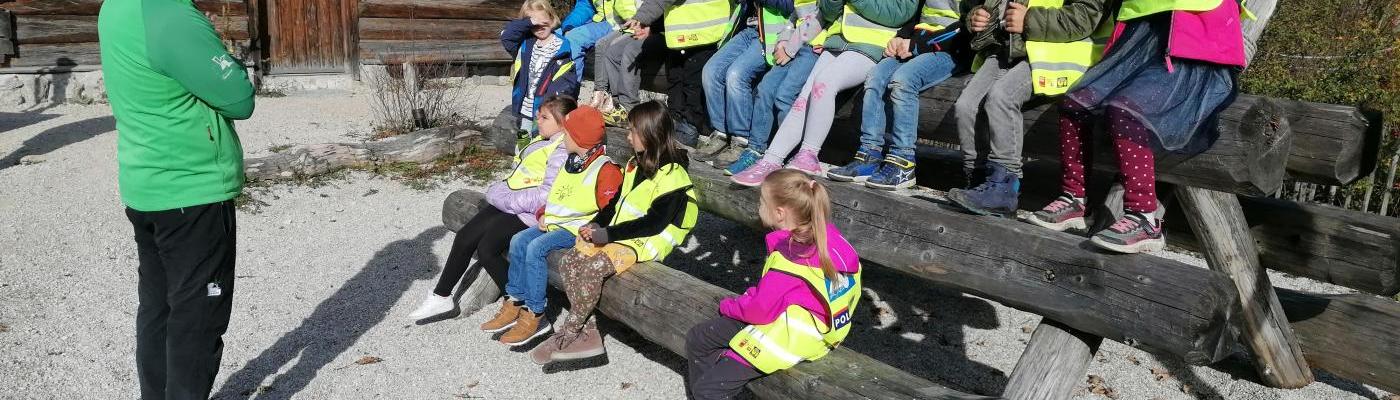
[[584, 269]]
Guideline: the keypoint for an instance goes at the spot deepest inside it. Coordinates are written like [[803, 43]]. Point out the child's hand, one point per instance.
[[1015, 17], [641, 32], [586, 233], [780, 55], [818, 49], [980, 19]]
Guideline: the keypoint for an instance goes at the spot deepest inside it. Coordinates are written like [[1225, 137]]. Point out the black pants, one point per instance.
[[711, 374], [487, 235], [686, 95], [186, 294]]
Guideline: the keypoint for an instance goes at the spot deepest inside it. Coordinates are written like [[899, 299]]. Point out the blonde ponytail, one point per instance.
[[810, 204]]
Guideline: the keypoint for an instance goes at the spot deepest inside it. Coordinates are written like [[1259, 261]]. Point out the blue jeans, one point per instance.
[[776, 92], [583, 38], [528, 276], [728, 81], [901, 83]]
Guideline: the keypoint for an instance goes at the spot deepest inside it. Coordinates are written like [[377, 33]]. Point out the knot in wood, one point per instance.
[[1049, 275]]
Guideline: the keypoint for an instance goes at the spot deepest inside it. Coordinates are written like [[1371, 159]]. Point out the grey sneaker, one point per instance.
[[1063, 214], [709, 145], [729, 154], [1132, 234]]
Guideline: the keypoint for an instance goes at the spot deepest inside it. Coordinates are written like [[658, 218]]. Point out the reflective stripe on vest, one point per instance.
[[857, 29], [635, 201], [1055, 67], [529, 172], [773, 24], [694, 23], [572, 200], [798, 335], [938, 14], [1134, 9]]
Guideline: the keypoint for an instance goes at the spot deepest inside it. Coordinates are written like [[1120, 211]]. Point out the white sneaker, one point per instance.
[[433, 305]]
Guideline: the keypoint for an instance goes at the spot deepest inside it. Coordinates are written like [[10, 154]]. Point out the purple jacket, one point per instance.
[[523, 203]]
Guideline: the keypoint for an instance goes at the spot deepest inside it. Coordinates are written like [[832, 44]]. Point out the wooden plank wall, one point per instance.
[[63, 33], [396, 31]]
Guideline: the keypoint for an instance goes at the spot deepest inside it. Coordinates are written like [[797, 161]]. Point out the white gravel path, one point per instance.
[[326, 274]]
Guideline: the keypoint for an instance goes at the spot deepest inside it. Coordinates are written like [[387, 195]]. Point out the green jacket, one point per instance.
[[891, 13], [175, 92], [1075, 20]]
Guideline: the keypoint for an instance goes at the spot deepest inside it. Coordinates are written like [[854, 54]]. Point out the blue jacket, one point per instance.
[[582, 14], [557, 78]]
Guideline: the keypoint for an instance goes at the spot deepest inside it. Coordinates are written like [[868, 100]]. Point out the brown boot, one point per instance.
[[527, 327], [504, 319], [543, 354], [588, 342]]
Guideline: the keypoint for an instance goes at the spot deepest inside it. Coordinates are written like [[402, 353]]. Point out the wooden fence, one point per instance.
[[60, 35]]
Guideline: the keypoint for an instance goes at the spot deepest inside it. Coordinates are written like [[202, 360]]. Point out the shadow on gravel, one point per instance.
[[59, 136], [923, 324], [337, 323], [9, 121]]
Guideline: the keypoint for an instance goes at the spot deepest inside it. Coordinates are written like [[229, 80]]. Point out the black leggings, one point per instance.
[[487, 235], [711, 374]]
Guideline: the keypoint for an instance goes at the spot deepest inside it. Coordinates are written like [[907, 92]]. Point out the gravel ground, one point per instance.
[[327, 273]]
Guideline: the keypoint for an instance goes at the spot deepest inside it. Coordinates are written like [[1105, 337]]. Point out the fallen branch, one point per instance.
[[321, 158]]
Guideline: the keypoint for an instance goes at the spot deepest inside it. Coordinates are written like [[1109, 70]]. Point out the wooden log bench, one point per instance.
[[1140, 300], [662, 304]]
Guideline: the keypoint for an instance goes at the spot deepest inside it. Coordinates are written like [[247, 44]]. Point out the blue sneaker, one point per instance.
[[858, 170], [895, 173], [747, 159], [996, 196]]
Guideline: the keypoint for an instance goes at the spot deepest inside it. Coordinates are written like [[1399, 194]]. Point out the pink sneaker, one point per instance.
[[806, 161], [753, 176]]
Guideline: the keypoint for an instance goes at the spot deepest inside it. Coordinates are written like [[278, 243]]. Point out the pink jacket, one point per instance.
[[524, 202], [764, 302]]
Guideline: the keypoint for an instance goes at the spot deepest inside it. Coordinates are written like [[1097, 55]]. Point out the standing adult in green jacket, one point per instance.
[[175, 92]]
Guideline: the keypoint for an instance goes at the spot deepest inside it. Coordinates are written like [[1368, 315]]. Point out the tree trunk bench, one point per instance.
[[662, 304]]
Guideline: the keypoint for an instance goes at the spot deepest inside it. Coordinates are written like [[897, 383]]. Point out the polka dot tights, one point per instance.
[[1131, 141]]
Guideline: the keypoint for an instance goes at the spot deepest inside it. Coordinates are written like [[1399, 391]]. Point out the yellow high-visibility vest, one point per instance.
[[635, 201], [530, 171], [797, 335], [693, 23], [938, 14], [1133, 9], [857, 29], [572, 201], [1057, 66]]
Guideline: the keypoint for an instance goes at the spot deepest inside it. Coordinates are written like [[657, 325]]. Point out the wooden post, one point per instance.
[[1389, 183], [1053, 363], [1219, 222]]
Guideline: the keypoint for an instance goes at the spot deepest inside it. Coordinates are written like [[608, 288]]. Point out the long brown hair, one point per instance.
[[809, 204], [652, 123]]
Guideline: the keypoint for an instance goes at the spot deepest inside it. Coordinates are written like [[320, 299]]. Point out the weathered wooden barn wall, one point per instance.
[[397, 31], [63, 33]]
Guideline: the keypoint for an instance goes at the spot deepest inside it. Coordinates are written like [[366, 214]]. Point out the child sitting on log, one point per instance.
[[650, 217], [801, 307], [921, 55], [794, 55], [542, 61], [857, 42], [1028, 51], [729, 75], [588, 181], [1152, 97], [617, 81], [510, 208]]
